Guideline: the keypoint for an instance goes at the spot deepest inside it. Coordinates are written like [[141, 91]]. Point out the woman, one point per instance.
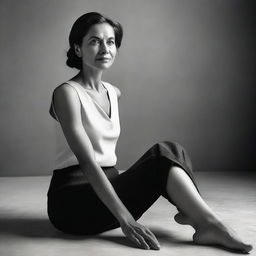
[[87, 195]]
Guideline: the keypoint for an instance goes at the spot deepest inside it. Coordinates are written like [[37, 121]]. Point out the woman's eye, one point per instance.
[[111, 42], [94, 42]]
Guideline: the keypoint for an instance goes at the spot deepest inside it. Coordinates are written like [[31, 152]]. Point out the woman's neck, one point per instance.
[[89, 78]]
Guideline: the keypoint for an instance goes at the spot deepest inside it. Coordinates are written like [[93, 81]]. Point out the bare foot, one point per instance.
[[218, 234], [182, 219]]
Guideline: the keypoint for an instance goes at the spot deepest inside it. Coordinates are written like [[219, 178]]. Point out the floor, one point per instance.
[[26, 231]]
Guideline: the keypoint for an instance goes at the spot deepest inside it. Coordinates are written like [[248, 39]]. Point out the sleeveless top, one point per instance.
[[103, 130]]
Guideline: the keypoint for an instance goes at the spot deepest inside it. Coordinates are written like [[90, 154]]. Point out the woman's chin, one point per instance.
[[104, 66]]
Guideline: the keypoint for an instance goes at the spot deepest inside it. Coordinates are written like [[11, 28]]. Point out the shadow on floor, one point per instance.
[[42, 228]]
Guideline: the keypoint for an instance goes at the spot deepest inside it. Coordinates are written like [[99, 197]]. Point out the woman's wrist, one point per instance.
[[125, 218]]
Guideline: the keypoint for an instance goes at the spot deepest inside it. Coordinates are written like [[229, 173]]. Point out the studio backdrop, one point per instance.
[[186, 70]]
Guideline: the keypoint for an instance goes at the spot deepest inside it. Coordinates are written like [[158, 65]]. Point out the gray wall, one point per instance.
[[185, 69]]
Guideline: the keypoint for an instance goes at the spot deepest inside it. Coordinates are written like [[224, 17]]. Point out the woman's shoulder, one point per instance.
[[65, 89], [65, 100], [65, 93], [117, 90]]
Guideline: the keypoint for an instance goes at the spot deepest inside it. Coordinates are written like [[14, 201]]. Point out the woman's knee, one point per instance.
[[168, 146], [172, 150]]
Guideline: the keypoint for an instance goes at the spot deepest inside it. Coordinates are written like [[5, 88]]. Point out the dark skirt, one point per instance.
[[74, 207]]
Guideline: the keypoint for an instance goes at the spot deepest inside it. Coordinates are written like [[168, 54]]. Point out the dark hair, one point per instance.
[[81, 28]]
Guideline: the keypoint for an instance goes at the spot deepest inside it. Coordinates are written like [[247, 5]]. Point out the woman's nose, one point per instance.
[[104, 48]]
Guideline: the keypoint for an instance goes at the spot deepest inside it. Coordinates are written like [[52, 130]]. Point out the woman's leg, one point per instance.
[[195, 212]]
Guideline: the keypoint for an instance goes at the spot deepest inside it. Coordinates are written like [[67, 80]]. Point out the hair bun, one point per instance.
[[73, 61]]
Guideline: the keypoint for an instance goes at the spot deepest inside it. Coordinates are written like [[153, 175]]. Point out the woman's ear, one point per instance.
[[77, 50]]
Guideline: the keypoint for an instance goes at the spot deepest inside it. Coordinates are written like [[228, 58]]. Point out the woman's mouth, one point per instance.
[[103, 59]]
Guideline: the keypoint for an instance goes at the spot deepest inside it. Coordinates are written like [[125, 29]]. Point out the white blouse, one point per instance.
[[103, 130]]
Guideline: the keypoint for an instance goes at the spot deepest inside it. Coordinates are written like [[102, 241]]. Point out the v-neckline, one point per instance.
[[96, 103]]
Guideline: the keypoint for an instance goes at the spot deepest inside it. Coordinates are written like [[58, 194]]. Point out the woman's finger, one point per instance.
[[150, 238], [141, 236], [153, 236], [148, 231], [132, 235], [135, 240], [142, 241]]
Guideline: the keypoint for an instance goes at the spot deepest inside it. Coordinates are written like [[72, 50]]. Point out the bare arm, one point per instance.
[[68, 109]]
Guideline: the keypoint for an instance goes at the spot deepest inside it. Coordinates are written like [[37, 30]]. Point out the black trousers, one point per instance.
[[74, 207]]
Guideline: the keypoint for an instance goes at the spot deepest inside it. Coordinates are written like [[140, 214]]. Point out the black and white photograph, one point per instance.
[[128, 127]]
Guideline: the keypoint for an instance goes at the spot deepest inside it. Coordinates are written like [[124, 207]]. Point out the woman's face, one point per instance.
[[98, 48]]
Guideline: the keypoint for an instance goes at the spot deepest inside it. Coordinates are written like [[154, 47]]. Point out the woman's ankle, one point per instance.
[[206, 222]]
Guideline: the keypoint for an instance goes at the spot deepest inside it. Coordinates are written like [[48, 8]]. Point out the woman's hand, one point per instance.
[[140, 235]]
